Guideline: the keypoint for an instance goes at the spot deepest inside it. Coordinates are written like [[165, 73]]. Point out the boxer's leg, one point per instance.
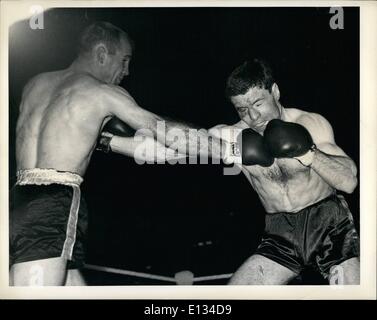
[[347, 272], [343, 248], [259, 270], [46, 272]]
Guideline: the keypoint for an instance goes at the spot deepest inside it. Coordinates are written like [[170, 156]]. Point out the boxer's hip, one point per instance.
[[48, 216], [321, 235]]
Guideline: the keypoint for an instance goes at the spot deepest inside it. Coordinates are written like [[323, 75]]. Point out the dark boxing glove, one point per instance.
[[113, 127], [289, 140], [248, 149], [118, 128], [253, 149]]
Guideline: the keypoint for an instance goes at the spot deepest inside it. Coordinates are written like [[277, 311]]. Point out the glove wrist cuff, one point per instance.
[[104, 142], [232, 153], [231, 148], [308, 158]]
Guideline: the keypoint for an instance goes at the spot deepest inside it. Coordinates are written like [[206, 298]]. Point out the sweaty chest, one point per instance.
[[282, 171]]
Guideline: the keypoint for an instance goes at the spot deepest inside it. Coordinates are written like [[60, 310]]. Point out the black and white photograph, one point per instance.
[[197, 146]]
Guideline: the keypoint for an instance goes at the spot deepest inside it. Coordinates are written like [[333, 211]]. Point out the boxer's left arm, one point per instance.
[[117, 102], [143, 148], [329, 161]]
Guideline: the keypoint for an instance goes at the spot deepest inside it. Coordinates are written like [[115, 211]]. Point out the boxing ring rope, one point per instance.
[[129, 273], [183, 277], [214, 277]]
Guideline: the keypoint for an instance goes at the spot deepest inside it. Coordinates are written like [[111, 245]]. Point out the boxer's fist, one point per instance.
[[253, 149], [103, 142], [289, 140], [113, 127], [118, 128], [244, 146]]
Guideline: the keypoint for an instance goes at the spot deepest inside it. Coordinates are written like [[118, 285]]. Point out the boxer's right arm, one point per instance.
[[118, 102], [118, 137]]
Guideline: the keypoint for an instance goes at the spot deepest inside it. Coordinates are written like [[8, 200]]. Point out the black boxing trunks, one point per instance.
[[321, 235], [48, 217]]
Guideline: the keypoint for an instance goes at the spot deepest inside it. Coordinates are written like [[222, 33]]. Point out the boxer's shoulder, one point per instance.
[[316, 124], [293, 114], [301, 116], [38, 82]]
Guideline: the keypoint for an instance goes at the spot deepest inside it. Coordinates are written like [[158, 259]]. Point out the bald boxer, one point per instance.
[[61, 116], [298, 180]]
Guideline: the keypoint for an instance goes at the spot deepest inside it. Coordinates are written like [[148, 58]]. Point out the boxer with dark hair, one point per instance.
[[308, 222]]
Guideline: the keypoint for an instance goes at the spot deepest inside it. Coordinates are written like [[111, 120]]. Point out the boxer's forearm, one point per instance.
[[340, 172], [189, 140], [123, 145], [143, 148]]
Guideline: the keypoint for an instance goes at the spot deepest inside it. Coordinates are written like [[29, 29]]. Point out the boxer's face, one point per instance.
[[118, 63], [258, 106]]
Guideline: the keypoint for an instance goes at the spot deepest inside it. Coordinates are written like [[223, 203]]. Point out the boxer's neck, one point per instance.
[[82, 65]]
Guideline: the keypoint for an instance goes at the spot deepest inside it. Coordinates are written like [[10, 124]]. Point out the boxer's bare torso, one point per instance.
[[60, 119], [287, 185]]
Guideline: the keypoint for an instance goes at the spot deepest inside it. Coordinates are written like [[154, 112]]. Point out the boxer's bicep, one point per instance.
[[118, 102]]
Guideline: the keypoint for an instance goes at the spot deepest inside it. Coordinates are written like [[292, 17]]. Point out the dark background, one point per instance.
[[162, 219]]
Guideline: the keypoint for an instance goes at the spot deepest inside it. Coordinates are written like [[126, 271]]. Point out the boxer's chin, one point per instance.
[[117, 80]]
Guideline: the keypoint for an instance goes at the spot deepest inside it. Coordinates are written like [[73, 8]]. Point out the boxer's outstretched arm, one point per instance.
[[117, 102]]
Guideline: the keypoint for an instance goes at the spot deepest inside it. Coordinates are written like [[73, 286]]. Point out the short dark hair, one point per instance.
[[101, 31], [252, 73]]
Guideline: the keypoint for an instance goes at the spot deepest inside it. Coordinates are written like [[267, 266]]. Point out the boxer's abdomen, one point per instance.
[[287, 186]]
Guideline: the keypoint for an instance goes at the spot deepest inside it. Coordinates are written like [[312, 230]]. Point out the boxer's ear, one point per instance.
[[100, 53], [275, 92]]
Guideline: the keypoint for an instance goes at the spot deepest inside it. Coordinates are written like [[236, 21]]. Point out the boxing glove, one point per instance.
[[289, 140], [113, 127], [248, 149], [118, 128]]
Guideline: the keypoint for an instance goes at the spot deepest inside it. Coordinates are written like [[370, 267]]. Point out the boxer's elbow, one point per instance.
[[350, 186], [350, 182]]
